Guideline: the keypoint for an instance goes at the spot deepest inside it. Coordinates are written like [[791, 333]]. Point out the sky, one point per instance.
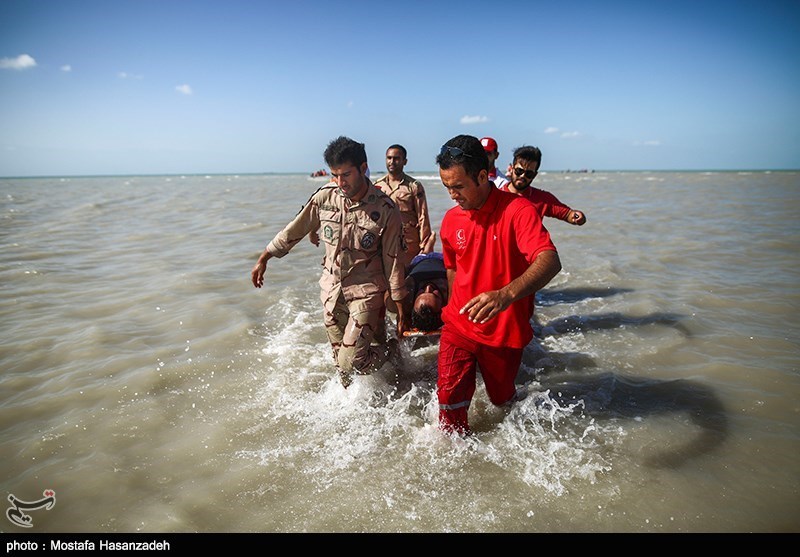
[[233, 87]]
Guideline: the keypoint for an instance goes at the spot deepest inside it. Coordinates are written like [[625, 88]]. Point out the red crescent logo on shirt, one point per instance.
[[461, 239]]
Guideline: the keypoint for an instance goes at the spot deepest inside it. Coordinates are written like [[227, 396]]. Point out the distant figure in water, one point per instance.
[[362, 233], [426, 282], [524, 170], [497, 254]]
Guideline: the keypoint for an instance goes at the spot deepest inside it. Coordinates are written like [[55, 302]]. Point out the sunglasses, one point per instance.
[[529, 174], [453, 151]]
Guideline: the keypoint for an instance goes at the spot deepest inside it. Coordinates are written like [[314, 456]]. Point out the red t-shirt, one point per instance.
[[488, 248], [546, 203]]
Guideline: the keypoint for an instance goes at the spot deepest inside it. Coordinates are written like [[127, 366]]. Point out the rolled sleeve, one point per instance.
[[305, 221]]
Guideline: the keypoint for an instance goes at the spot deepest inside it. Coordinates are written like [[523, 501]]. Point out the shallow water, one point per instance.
[[151, 387]]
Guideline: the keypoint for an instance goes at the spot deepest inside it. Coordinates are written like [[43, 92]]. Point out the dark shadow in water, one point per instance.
[[551, 297], [584, 323], [610, 396], [536, 357]]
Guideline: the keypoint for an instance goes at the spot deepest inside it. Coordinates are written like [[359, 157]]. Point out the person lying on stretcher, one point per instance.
[[426, 281]]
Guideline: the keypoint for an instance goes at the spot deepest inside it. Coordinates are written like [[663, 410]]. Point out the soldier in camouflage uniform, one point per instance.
[[361, 230], [409, 196]]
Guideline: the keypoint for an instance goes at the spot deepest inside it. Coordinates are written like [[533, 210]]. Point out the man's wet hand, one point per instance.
[[486, 306], [257, 273], [577, 217]]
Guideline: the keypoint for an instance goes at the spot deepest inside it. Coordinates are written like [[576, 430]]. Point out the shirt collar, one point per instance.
[[403, 179], [369, 196]]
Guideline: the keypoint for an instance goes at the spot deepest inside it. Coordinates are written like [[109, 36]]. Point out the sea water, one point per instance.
[[148, 384]]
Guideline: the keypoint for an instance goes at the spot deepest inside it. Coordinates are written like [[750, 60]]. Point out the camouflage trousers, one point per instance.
[[351, 327]]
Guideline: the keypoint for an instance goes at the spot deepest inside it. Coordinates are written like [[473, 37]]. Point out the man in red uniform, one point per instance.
[[525, 167], [498, 254]]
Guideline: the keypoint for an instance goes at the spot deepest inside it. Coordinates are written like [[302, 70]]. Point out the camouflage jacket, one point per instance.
[[362, 242]]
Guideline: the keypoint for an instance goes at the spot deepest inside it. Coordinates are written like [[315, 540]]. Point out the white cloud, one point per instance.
[[21, 62], [126, 75], [551, 129], [568, 135], [66, 68], [185, 89], [350, 104], [474, 119]]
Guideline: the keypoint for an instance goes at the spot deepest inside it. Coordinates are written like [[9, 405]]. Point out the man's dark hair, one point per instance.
[[473, 158], [397, 146], [343, 150], [529, 153], [426, 319]]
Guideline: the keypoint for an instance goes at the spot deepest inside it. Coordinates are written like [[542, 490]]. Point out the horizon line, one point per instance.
[[410, 172]]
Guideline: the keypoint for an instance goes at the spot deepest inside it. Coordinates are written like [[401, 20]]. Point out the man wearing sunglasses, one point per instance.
[[497, 254], [362, 234], [525, 168]]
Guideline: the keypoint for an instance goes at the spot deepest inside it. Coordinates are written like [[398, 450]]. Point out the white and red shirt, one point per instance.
[[498, 178]]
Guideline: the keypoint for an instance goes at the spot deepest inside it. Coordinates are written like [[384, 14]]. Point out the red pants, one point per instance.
[[458, 357]]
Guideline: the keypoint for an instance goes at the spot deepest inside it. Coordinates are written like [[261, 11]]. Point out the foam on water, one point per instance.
[[386, 423]]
